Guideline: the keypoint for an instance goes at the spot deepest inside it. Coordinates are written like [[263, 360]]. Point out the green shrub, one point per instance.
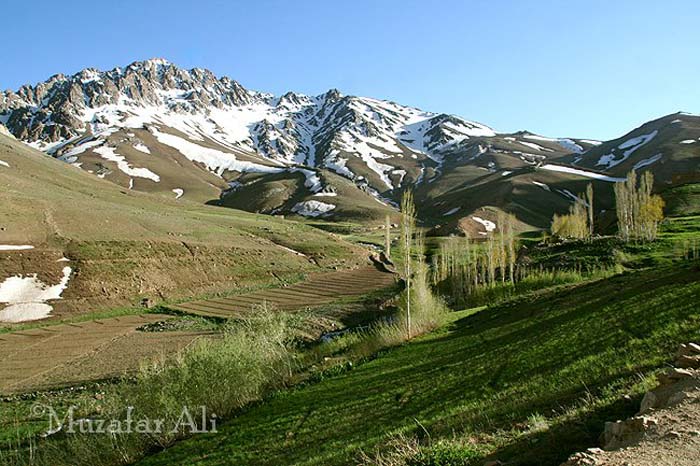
[[252, 357], [444, 453]]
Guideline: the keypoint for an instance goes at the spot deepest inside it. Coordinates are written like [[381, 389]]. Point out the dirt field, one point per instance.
[[67, 354], [317, 290]]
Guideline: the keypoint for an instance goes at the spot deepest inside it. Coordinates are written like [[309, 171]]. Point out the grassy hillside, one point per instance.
[[670, 151], [282, 191], [683, 200], [529, 381], [124, 244], [533, 196]]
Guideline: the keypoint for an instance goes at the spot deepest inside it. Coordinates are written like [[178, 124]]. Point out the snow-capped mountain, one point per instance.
[[155, 127], [67, 115]]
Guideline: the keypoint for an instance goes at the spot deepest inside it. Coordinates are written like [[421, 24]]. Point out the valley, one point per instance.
[[338, 279]]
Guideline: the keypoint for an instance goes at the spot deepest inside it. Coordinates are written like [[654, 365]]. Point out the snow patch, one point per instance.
[[108, 153], [27, 297], [488, 224], [312, 208], [70, 156], [357, 144], [568, 144], [12, 247], [572, 196], [532, 145], [611, 160], [338, 165], [313, 182], [688, 141], [4, 164], [541, 185], [142, 148], [645, 162], [450, 212], [580, 172], [178, 192], [215, 160]]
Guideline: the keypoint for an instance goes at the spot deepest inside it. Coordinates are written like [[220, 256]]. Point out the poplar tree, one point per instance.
[[591, 211], [639, 211], [387, 237], [408, 225]]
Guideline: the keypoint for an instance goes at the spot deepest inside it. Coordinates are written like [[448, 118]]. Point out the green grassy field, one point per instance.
[[530, 381]]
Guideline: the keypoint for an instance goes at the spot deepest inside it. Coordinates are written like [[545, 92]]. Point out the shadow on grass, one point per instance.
[[554, 445]]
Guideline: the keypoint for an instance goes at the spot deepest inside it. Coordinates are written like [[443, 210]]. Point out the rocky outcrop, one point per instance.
[[58, 108], [324, 131], [665, 431]]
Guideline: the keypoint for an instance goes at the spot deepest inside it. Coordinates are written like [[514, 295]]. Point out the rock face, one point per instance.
[[57, 109], [666, 431], [380, 146], [152, 126], [291, 128], [622, 433]]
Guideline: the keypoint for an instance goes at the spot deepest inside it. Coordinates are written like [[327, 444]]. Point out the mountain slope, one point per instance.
[[123, 245], [669, 146], [154, 127]]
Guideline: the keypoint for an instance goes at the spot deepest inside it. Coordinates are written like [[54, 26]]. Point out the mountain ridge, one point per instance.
[[155, 127]]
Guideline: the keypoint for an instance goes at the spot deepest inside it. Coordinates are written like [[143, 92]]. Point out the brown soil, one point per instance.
[[67, 354], [319, 289]]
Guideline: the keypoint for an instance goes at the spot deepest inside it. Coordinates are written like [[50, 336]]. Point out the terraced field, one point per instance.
[[70, 353], [318, 289]]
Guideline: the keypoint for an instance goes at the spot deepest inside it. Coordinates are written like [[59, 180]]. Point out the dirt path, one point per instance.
[[318, 289], [71, 353]]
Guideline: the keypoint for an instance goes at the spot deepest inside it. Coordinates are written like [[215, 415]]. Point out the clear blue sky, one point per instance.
[[585, 68]]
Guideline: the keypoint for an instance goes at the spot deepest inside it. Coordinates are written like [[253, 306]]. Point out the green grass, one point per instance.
[[566, 358], [18, 423], [683, 200]]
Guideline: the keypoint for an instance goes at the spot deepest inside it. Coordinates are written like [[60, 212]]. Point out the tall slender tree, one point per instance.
[[387, 236], [574, 224], [591, 210], [408, 225], [639, 211], [510, 234]]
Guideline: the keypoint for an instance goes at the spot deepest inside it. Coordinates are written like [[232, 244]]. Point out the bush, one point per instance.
[[408, 451], [253, 356]]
